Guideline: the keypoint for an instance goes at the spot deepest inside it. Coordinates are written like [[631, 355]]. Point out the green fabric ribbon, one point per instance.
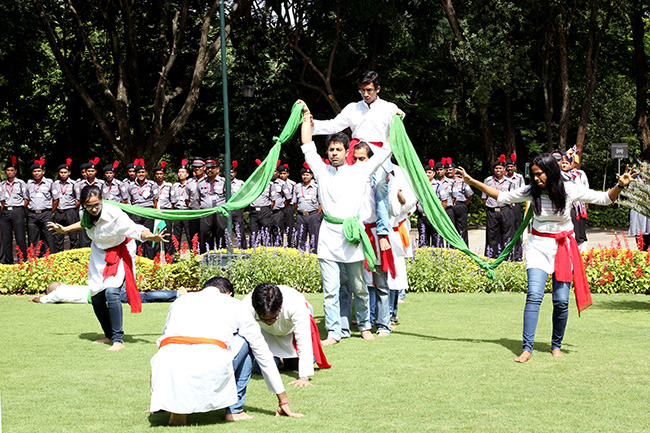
[[408, 160], [86, 221], [355, 232], [249, 191]]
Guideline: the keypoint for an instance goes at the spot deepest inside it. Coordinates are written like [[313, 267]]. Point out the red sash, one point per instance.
[[349, 157], [567, 254], [113, 257], [387, 262]]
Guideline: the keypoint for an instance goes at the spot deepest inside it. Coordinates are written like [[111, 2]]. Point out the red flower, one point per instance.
[[638, 273]]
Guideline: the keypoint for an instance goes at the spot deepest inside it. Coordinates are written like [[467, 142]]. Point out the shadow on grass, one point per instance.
[[623, 305], [92, 336], [214, 417], [513, 345]]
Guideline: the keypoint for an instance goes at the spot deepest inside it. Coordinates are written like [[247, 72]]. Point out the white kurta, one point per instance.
[[293, 324], [112, 228], [190, 378], [369, 123], [341, 193], [398, 212], [540, 251], [67, 294]]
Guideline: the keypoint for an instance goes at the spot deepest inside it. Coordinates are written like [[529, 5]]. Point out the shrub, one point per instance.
[[608, 216]]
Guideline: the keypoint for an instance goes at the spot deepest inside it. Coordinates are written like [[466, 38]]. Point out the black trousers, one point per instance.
[[518, 250], [180, 227], [212, 230], [148, 249], [426, 232], [499, 230], [308, 225], [579, 227], [277, 227], [12, 224], [37, 231], [459, 211], [289, 223], [259, 221], [65, 218]]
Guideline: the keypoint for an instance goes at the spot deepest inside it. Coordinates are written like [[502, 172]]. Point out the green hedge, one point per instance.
[[612, 270], [608, 216]]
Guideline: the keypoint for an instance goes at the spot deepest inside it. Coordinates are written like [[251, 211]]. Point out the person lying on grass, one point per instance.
[[215, 334], [551, 248], [57, 293]]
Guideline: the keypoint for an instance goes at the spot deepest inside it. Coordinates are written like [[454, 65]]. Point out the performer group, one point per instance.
[[353, 210]]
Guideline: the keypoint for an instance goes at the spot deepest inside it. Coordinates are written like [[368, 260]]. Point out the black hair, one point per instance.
[[368, 77], [267, 299], [364, 145], [339, 137], [554, 184], [87, 192], [222, 284]]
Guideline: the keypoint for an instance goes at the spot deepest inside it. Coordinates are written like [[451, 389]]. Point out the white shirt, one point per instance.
[[540, 251], [68, 294], [369, 123], [341, 194], [211, 314], [293, 322]]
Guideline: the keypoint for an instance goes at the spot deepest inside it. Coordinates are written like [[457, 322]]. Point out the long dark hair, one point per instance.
[[554, 184]]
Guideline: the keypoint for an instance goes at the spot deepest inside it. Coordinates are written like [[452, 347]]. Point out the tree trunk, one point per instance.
[[563, 33], [508, 125], [641, 76], [547, 86]]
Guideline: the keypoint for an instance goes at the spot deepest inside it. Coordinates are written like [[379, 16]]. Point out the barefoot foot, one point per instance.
[[103, 340], [328, 342], [525, 356], [241, 416], [182, 291], [557, 353], [116, 346], [367, 335], [177, 419], [383, 334]]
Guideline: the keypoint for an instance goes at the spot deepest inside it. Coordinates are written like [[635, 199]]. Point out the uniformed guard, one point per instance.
[[277, 208], [130, 175], [498, 218], [289, 220], [198, 171], [260, 218], [211, 194], [181, 202], [90, 170], [113, 189], [166, 198], [306, 203], [144, 193], [41, 199], [426, 232], [238, 227], [12, 217], [66, 212]]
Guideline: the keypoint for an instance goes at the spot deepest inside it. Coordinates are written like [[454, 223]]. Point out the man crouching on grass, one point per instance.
[[205, 357]]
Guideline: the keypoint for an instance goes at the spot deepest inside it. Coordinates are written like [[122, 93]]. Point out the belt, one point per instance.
[[259, 208], [277, 210], [63, 210], [311, 212], [40, 211], [9, 208], [497, 209], [192, 340]]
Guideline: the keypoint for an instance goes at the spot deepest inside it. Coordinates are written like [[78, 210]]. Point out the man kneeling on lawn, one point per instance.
[[288, 327], [204, 359]]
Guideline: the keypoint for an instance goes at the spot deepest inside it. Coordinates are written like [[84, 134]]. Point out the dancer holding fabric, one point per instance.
[[552, 248], [112, 260]]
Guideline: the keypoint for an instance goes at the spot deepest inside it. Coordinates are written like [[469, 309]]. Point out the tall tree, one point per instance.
[[638, 9], [149, 60]]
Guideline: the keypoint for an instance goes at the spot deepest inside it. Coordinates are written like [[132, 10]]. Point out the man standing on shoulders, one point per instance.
[[41, 200], [12, 217], [66, 212], [144, 193]]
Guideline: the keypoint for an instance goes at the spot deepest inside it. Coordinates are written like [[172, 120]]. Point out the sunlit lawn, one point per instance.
[[448, 367]]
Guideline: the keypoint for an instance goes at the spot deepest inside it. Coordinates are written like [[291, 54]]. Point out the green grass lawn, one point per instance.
[[448, 367]]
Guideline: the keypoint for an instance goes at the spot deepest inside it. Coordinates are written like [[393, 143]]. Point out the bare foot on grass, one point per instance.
[[182, 291], [525, 356], [367, 335], [329, 342], [557, 353], [103, 340], [116, 346], [241, 416], [177, 419], [383, 334]]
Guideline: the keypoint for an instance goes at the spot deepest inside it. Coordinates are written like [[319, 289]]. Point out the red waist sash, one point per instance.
[[567, 254], [387, 262], [113, 257], [192, 340]]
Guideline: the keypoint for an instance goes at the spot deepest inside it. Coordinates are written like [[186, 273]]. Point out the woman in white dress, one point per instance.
[[552, 248], [112, 259]]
